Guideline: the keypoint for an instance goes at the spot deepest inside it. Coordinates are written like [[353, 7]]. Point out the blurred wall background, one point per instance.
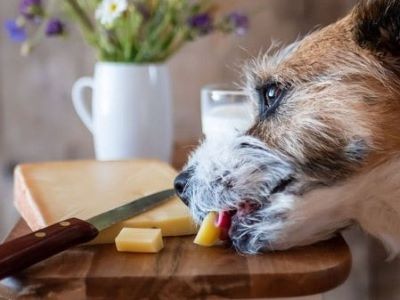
[[37, 120]]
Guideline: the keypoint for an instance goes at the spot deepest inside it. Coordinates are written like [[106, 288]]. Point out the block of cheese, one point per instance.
[[144, 240], [46, 193], [171, 217], [209, 232]]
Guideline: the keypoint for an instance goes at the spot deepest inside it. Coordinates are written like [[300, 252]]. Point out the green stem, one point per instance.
[[82, 17], [175, 45]]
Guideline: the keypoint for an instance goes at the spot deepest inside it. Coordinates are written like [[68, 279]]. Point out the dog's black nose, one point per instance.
[[180, 185]]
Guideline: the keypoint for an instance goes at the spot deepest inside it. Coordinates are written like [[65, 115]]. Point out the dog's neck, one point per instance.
[[372, 199]]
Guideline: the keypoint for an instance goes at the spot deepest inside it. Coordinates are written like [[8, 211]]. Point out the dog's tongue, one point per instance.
[[224, 220], [224, 223]]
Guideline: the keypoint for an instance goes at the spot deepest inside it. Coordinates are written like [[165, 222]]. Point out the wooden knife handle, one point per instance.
[[32, 248]]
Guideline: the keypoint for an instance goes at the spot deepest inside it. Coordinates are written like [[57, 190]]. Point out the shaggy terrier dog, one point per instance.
[[323, 152]]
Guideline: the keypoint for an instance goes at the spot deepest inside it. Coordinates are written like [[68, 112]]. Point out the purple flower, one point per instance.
[[30, 8], [15, 31], [203, 23], [239, 22], [54, 27]]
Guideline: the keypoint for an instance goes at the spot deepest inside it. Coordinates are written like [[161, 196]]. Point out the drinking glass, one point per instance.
[[224, 110]]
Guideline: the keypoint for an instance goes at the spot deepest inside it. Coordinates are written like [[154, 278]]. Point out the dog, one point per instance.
[[323, 152]]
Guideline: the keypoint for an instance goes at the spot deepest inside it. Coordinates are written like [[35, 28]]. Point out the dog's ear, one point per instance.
[[377, 26]]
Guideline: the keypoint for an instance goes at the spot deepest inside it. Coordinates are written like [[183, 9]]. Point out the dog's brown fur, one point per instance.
[[345, 83]]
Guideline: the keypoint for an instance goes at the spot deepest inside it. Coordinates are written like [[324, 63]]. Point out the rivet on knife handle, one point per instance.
[[27, 250]]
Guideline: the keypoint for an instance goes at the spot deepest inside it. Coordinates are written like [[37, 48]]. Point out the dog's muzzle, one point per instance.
[[239, 176]]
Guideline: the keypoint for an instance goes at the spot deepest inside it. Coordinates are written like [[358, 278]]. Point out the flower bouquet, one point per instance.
[[138, 31]]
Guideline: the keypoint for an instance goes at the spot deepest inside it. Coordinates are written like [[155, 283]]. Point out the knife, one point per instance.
[[32, 248]]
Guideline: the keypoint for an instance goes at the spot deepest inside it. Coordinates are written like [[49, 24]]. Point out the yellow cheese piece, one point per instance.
[[208, 233], [46, 193], [139, 240]]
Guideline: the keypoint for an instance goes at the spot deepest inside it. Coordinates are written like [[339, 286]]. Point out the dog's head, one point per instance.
[[328, 110]]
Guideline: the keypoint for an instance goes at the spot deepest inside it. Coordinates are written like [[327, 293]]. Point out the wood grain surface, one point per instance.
[[183, 270]]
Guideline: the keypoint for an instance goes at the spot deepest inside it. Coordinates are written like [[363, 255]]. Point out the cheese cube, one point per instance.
[[143, 240], [208, 233]]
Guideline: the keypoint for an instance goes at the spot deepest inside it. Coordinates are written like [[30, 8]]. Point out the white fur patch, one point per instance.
[[224, 170]]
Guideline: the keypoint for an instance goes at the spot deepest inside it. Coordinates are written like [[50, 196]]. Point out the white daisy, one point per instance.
[[109, 10]]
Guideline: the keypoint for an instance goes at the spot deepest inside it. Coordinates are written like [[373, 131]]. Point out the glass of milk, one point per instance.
[[224, 110]]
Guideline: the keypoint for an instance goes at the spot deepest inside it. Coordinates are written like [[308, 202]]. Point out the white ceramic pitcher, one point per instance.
[[131, 115]]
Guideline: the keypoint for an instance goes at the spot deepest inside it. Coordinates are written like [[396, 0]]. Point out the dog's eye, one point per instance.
[[273, 93], [270, 96]]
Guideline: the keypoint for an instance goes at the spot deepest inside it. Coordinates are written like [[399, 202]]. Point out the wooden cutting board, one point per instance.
[[183, 270]]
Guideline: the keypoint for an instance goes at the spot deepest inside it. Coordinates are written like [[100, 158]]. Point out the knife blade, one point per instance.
[[32, 248]]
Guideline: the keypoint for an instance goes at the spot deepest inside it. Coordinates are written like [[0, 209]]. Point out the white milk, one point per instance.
[[226, 119]]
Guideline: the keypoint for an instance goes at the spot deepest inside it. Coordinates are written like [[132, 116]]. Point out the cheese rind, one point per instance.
[[208, 234], [46, 193], [144, 240]]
